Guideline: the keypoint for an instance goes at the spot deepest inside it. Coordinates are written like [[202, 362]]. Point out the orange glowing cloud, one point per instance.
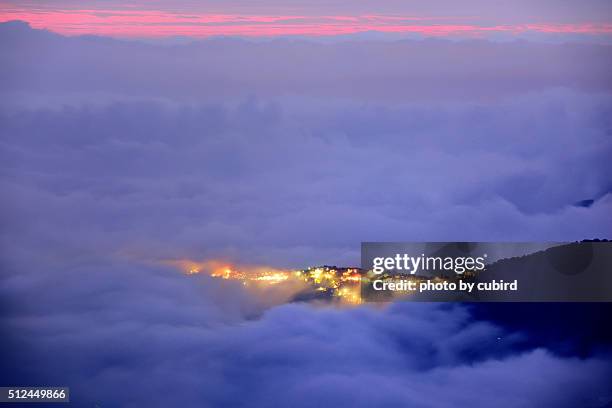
[[156, 24], [223, 269]]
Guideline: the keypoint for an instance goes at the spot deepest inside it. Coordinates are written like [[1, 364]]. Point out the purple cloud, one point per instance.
[[117, 156]]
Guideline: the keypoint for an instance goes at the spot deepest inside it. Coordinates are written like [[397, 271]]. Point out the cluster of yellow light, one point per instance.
[[274, 277], [342, 283], [228, 273], [351, 275], [271, 277], [322, 275], [350, 294]]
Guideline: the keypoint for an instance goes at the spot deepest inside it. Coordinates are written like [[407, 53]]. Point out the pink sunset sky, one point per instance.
[[157, 19]]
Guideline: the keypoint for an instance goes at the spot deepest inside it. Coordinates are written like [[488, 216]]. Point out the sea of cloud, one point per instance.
[[132, 335], [117, 156]]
